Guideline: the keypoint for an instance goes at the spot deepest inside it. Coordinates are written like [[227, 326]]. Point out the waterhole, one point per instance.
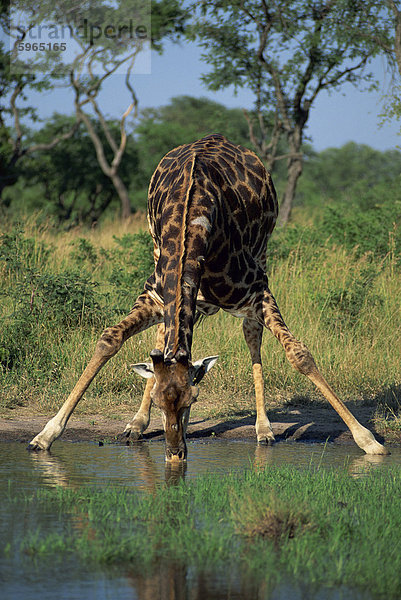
[[142, 467]]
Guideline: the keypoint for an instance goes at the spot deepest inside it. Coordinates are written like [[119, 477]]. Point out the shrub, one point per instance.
[[132, 264], [375, 229], [18, 253]]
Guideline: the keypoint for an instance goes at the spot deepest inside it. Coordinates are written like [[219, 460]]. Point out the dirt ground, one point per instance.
[[304, 423]]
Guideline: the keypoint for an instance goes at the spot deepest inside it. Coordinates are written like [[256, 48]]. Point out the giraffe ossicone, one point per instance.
[[211, 209]]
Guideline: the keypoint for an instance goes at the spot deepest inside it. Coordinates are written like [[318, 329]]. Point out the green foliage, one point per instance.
[[42, 301], [36, 293], [70, 185], [341, 305], [305, 44], [350, 174], [368, 224], [286, 55], [75, 186], [376, 230], [19, 253], [168, 22], [36, 300], [132, 264], [17, 80], [83, 252]]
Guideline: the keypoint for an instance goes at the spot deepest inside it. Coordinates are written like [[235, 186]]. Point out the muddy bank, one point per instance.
[[316, 424]]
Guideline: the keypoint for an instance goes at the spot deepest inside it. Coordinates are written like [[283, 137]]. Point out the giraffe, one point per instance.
[[211, 210]]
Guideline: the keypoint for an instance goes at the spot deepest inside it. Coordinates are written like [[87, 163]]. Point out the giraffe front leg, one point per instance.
[[302, 360], [253, 332], [140, 422], [144, 314]]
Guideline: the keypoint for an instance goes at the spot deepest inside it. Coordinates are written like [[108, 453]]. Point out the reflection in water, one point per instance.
[[172, 581], [174, 472], [361, 465], [51, 468], [264, 456], [142, 465], [357, 466], [54, 469], [145, 465]]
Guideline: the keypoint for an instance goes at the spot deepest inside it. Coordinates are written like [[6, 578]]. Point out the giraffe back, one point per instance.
[[211, 208]]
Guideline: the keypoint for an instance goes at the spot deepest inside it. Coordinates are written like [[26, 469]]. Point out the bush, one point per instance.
[[341, 304], [19, 253], [375, 229], [132, 264], [43, 302]]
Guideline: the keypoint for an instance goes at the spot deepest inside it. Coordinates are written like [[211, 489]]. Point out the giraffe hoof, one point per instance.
[[128, 436], [34, 447], [376, 450], [367, 442], [266, 440], [135, 436]]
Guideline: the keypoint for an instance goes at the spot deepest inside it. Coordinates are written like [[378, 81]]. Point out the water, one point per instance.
[[142, 467]]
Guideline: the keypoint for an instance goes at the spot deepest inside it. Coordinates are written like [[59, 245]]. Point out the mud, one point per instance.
[[316, 424]]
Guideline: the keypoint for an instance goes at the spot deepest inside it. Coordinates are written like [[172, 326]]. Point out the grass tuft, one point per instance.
[[272, 518]]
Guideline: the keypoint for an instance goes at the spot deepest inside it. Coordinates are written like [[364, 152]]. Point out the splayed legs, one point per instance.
[[301, 359], [146, 312]]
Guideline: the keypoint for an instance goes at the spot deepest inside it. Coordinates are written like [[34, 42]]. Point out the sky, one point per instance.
[[346, 115]]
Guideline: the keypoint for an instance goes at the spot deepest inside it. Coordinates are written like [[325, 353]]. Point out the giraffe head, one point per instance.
[[174, 392]]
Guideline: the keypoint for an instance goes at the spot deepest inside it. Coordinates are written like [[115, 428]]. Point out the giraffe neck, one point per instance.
[[184, 242]]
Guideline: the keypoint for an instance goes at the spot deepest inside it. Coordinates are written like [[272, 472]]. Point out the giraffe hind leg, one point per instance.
[[253, 332], [302, 360], [144, 314]]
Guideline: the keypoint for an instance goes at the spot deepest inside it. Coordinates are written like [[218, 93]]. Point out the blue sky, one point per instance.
[[347, 115]]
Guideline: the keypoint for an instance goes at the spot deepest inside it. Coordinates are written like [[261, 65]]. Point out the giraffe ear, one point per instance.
[[201, 367], [143, 369]]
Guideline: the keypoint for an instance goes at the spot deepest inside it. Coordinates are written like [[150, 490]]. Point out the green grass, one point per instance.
[[314, 527]]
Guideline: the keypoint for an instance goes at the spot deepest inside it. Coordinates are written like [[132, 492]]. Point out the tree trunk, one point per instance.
[[109, 171], [294, 167], [294, 172], [122, 192]]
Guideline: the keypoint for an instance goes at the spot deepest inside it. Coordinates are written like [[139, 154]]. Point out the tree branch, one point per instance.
[[54, 142]]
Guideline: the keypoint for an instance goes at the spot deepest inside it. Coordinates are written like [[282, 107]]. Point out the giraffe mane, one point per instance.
[[182, 252]]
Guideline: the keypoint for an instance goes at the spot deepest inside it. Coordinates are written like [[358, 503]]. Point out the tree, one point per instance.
[[167, 21], [392, 109], [347, 173], [107, 38], [395, 9], [15, 83], [287, 52], [73, 188]]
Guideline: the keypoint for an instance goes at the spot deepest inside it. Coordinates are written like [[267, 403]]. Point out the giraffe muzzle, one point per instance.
[[176, 454]]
